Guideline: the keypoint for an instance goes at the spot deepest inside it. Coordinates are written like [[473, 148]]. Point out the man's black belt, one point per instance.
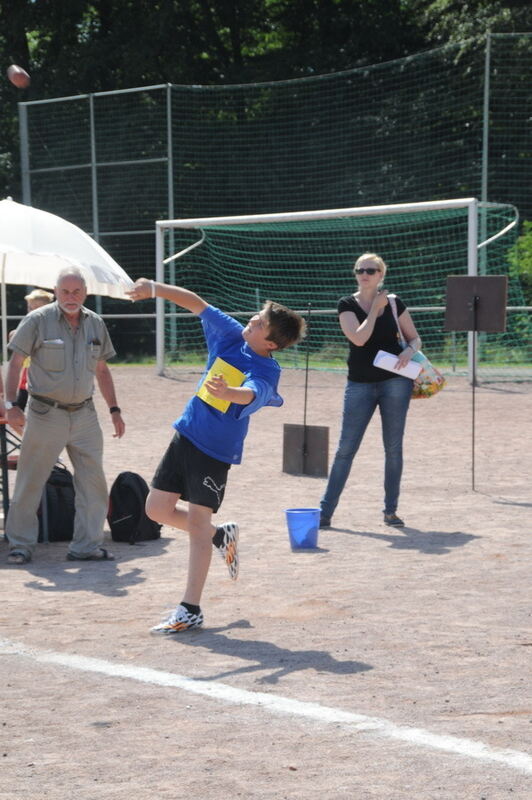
[[63, 406]]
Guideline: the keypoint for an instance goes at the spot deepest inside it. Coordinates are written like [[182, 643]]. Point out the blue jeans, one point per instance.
[[360, 401]]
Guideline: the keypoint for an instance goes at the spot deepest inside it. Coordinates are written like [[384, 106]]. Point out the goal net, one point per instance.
[[305, 261]]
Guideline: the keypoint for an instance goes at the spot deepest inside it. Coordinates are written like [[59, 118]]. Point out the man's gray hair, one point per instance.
[[71, 272]]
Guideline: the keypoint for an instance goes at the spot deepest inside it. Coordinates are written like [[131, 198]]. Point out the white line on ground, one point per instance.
[[279, 705]]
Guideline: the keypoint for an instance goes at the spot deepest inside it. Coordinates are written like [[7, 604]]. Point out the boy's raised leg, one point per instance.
[[162, 507]]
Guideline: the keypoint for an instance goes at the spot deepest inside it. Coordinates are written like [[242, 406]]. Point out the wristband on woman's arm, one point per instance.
[[414, 345]]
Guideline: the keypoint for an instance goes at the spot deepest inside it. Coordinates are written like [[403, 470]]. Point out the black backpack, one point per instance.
[[60, 506], [126, 515]]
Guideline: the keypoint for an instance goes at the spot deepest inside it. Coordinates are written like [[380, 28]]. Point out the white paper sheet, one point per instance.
[[387, 361]]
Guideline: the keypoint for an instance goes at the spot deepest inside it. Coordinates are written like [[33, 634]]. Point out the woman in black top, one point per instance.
[[367, 321]]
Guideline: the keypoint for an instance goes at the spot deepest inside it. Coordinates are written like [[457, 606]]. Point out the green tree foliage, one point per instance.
[[78, 46], [521, 261], [74, 46], [468, 21]]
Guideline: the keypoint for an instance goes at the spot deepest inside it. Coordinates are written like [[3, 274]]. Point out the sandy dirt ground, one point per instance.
[[424, 632]]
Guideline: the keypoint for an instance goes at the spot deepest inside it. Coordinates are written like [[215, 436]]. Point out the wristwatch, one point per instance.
[[9, 405]]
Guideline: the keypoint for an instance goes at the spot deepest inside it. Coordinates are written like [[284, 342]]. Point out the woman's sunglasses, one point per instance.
[[369, 270]]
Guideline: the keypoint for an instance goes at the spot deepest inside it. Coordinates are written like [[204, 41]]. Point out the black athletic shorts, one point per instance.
[[192, 474]]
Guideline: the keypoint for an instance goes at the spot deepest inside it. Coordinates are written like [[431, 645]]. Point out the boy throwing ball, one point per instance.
[[240, 377]]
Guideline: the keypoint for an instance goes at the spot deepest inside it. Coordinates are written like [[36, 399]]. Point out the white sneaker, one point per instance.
[[179, 620], [229, 548]]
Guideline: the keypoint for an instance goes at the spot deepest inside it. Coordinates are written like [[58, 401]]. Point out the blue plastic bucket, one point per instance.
[[303, 525]]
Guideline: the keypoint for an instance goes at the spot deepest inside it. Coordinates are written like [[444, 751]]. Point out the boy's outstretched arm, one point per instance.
[[144, 289]]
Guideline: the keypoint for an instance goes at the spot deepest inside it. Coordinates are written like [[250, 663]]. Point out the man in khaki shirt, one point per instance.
[[68, 346]]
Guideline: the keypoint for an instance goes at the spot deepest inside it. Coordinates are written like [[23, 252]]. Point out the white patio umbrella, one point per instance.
[[36, 245]]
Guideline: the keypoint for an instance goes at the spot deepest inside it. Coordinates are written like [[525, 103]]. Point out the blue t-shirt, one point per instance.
[[217, 433]]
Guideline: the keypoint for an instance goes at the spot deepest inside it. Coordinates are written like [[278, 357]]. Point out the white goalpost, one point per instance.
[[294, 251]]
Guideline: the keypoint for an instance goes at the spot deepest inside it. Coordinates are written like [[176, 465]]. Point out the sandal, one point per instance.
[[101, 554], [18, 557]]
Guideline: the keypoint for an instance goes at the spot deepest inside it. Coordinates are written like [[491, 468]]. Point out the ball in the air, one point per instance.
[[18, 76]]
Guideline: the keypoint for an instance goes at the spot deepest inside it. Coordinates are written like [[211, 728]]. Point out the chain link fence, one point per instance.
[[451, 122]]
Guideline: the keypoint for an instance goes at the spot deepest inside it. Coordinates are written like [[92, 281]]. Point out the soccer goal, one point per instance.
[[305, 260]]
